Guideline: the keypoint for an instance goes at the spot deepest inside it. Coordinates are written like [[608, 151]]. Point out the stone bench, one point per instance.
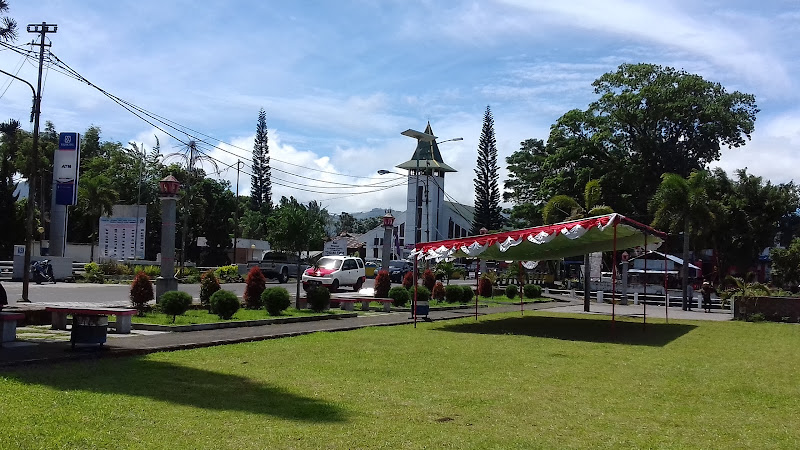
[[123, 316], [8, 326]]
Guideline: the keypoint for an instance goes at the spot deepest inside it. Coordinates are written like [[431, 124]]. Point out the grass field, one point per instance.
[[539, 381]]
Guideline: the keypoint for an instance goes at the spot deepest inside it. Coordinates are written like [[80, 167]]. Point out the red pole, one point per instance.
[[666, 292], [644, 285], [477, 285], [614, 278], [519, 285], [414, 308]]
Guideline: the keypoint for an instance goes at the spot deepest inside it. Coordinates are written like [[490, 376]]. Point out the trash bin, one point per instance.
[[89, 329], [423, 307]]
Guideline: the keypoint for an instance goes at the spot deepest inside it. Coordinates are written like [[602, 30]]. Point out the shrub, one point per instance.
[[93, 274], [152, 271], [438, 291], [423, 294], [187, 272], [467, 294], [512, 290], [453, 293], [141, 292], [224, 304], [174, 303], [408, 280], [256, 283], [208, 285], [400, 296], [319, 298], [457, 274], [110, 268], [228, 274], [485, 287], [276, 300], [428, 279], [532, 290], [382, 284]]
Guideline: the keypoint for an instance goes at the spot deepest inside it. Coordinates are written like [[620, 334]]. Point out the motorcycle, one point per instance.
[[42, 271]]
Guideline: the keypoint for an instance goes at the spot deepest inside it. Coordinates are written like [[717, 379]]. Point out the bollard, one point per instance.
[[599, 296], [635, 298]]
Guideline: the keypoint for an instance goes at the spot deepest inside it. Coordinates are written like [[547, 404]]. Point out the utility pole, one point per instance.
[[236, 214], [33, 166]]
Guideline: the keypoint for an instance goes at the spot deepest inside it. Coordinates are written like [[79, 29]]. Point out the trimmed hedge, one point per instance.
[[423, 294], [319, 298], [400, 296], [208, 285], [174, 303], [224, 304], [532, 291], [382, 284], [141, 292], [256, 283], [467, 293], [276, 300], [453, 293], [438, 291], [512, 290]]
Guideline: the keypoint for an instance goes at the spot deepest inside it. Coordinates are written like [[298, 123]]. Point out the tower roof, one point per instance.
[[427, 155]]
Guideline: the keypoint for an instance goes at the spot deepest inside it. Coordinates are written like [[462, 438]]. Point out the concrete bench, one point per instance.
[[346, 303], [387, 303], [8, 326], [123, 316]]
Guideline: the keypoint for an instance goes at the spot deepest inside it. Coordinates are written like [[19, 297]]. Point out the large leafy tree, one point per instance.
[[295, 227], [346, 223], [681, 204], [648, 120], [524, 186], [786, 265], [11, 222], [487, 192]]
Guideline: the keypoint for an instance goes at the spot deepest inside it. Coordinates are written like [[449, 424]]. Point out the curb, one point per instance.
[[238, 323]]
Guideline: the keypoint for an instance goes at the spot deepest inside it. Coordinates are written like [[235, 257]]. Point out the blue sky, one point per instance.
[[340, 80]]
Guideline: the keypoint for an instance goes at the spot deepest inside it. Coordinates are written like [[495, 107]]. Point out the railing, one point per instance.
[[637, 298]]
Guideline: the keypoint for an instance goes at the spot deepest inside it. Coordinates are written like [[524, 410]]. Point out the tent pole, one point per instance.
[[614, 279], [666, 291], [477, 285], [519, 285], [644, 286], [414, 308]]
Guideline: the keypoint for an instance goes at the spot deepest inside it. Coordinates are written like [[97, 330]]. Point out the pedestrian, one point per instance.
[[706, 290], [3, 297]]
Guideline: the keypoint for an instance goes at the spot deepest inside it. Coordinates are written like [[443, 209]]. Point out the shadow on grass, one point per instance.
[[572, 329], [181, 385]]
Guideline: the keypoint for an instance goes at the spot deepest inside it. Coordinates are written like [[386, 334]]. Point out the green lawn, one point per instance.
[[541, 380], [196, 316]]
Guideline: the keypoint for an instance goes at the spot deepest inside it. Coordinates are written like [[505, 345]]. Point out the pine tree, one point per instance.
[[260, 184], [487, 191]]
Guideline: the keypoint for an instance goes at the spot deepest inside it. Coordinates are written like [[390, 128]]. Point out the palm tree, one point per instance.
[[563, 207], [682, 204], [97, 198], [8, 27]]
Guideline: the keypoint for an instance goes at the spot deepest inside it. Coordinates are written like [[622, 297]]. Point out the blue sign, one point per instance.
[[66, 162]]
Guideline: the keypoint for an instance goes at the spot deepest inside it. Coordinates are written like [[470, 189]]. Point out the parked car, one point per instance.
[[279, 265], [334, 272], [370, 269], [398, 269]]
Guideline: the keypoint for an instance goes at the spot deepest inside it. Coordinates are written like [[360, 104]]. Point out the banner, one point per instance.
[[118, 237], [66, 164]]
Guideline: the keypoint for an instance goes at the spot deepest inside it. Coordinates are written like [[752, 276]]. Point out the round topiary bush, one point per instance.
[[467, 294], [428, 279], [512, 290], [453, 293], [256, 283], [532, 290], [438, 291], [174, 303], [319, 298], [208, 285], [141, 292], [382, 284], [224, 304], [408, 280], [400, 296], [423, 294], [485, 287], [276, 300]]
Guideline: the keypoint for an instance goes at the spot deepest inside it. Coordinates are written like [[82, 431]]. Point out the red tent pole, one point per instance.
[[644, 285], [519, 284], [666, 292], [614, 278], [414, 307], [477, 285]]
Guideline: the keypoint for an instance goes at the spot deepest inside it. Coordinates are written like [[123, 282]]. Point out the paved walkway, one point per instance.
[[56, 346]]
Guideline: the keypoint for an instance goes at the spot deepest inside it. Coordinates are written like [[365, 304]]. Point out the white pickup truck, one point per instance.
[[279, 265]]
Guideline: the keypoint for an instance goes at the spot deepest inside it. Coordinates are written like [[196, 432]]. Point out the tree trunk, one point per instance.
[[685, 266], [297, 282]]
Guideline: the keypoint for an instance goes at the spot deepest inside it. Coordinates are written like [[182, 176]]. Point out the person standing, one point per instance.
[[706, 291]]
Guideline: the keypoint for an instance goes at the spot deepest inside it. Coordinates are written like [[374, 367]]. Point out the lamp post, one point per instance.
[[168, 187]]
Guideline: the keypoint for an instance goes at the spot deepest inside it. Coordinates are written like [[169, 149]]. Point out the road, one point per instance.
[[117, 294]]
